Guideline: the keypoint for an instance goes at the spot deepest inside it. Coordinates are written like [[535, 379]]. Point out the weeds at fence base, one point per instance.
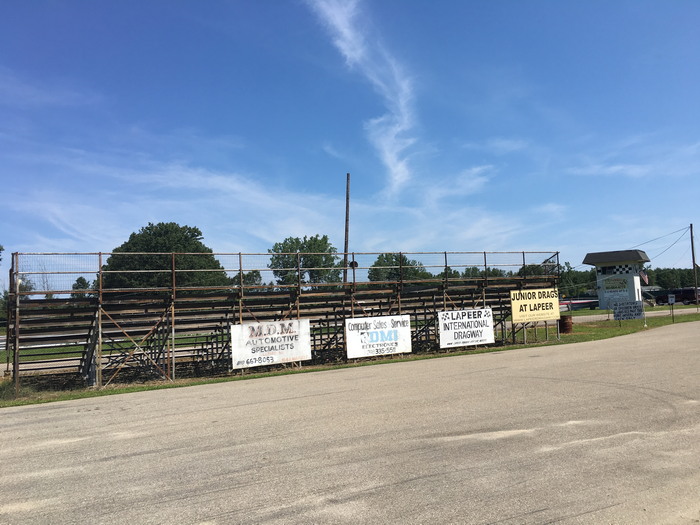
[[7, 391]]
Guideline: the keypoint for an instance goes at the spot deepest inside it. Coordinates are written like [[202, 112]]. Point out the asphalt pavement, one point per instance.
[[597, 432]]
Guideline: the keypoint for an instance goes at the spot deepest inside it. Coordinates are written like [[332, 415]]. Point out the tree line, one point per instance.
[[295, 260], [576, 283]]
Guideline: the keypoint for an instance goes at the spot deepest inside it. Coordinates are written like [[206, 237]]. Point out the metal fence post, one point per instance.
[[98, 350], [15, 357]]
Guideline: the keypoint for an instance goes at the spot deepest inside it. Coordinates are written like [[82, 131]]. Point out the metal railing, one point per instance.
[[77, 274]]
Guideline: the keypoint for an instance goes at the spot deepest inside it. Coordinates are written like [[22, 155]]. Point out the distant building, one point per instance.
[[618, 275]]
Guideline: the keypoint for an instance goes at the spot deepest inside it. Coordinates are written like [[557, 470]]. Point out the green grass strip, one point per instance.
[[582, 332]]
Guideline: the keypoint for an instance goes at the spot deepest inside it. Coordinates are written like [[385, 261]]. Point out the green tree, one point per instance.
[[313, 260], [574, 283], [25, 285], [81, 283], [4, 299], [449, 273], [668, 278], [472, 272], [150, 253], [250, 278], [396, 267], [2, 249], [494, 272], [530, 270]]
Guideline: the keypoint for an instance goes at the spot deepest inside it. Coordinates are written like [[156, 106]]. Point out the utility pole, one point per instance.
[[347, 229], [695, 267]]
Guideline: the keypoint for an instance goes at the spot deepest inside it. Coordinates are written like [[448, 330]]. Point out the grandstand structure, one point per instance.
[[64, 319]]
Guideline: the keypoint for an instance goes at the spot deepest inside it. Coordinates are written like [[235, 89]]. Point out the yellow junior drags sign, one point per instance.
[[528, 306]]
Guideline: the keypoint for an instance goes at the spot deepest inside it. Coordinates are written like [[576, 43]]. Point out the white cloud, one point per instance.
[[19, 92], [613, 170], [235, 212], [498, 145], [331, 151], [365, 53], [339, 17], [641, 156], [552, 209], [467, 182]]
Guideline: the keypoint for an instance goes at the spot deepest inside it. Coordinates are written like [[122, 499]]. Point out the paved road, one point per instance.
[[604, 432]]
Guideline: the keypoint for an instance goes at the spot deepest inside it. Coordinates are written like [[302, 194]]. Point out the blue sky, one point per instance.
[[466, 125]]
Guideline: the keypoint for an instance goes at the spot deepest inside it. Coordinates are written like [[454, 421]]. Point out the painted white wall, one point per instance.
[[616, 285]]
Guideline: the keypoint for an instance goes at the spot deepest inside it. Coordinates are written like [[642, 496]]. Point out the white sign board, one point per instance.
[[615, 289], [270, 343], [373, 336], [671, 298], [625, 310], [465, 327]]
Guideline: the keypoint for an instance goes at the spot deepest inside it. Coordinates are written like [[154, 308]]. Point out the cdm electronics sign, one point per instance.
[[277, 342]]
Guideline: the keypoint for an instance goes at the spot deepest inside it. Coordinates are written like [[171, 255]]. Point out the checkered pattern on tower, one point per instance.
[[618, 269]]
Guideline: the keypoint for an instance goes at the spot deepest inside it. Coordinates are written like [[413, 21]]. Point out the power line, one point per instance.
[[681, 257], [674, 243], [667, 235], [684, 230]]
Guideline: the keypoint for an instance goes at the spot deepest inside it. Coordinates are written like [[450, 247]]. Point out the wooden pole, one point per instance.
[[100, 335], [347, 229], [695, 267]]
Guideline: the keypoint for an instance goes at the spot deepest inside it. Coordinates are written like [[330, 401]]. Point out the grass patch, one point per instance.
[[582, 332], [597, 330], [647, 308], [8, 396]]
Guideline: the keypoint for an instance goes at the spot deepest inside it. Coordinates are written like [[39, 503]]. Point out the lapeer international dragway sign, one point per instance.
[[465, 327]]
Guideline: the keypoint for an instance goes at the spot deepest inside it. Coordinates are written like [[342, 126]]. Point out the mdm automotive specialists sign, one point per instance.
[[465, 327], [270, 343], [372, 336], [529, 306]]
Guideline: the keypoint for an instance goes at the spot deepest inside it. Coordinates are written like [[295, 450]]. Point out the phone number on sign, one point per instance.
[[261, 360], [381, 351]]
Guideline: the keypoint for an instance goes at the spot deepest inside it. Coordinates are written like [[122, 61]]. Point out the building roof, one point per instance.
[[622, 256]]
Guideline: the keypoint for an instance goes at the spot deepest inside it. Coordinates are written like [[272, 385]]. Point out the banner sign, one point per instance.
[[615, 289], [529, 306], [270, 343], [465, 327], [625, 310], [373, 336]]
